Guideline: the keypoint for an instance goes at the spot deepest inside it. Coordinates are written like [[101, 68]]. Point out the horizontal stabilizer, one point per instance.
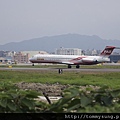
[[117, 47]]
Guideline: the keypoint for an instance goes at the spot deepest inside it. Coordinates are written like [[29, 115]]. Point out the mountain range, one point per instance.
[[50, 43]]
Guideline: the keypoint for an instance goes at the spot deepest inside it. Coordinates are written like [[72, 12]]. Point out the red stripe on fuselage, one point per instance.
[[76, 60]]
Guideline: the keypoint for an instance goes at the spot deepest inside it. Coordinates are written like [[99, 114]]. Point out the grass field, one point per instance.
[[100, 101], [68, 77]]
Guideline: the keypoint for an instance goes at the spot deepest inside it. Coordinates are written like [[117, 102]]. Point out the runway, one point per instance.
[[64, 69]]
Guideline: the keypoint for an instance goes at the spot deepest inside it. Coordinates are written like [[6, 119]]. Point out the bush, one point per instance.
[[74, 100], [14, 100], [88, 100]]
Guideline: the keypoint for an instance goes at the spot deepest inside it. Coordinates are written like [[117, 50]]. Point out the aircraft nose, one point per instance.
[[30, 59]]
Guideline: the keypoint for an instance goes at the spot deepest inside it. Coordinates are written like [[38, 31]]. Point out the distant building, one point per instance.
[[6, 53], [31, 53], [1, 53], [21, 58], [94, 52], [2, 59], [114, 58], [88, 52], [5, 59], [68, 51]]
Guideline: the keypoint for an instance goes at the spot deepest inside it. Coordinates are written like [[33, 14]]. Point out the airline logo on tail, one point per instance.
[[107, 51]]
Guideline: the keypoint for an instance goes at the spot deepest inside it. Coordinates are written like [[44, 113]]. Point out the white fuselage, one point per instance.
[[68, 59]]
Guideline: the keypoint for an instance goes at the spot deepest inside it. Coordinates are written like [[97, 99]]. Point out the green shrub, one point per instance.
[[74, 100], [88, 100], [14, 100]]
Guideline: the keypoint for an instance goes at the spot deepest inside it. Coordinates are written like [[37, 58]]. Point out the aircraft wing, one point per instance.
[[71, 63]]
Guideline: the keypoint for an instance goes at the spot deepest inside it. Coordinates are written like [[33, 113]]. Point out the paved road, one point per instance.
[[64, 69]]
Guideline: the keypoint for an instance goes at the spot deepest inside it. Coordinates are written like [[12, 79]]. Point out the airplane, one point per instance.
[[74, 59]]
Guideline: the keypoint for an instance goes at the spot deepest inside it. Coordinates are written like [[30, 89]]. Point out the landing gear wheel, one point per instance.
[[69, 66], [32, 64], [77, 66]]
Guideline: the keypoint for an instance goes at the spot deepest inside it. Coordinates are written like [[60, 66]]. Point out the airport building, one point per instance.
[[7, 53], [21, 58], [6, 56], [114, 58], [68, 51], [31, 53]]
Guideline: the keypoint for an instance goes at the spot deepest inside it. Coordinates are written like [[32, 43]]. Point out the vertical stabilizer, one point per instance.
[[107, 51]]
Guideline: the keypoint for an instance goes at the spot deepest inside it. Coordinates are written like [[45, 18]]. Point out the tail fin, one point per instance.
[[107, 51]]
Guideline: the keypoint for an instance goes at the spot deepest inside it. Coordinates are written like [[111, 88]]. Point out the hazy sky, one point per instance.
[[26, 19]]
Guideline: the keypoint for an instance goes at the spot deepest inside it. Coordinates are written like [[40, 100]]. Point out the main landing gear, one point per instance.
[[69, 66], [77, 66], [33, 64]]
